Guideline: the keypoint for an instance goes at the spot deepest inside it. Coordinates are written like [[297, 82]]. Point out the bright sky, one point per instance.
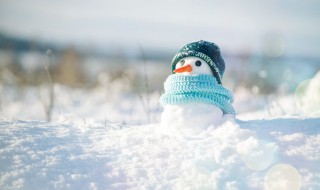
[[234, 25]]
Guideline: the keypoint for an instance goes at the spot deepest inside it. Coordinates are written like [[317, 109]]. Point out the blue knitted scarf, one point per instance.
[[181, 89]]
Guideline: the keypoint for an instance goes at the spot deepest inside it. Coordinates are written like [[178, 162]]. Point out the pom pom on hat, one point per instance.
[[207, 51]]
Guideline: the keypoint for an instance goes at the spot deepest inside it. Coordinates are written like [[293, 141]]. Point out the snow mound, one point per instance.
[[307, 95], [275, 154]]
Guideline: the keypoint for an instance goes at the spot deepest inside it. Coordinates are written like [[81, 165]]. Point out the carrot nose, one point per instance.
[[183, 69]]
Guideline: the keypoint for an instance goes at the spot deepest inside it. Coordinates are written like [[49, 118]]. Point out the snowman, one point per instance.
[[194, 98]]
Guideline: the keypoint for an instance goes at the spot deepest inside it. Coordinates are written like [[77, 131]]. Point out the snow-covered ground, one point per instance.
[[103, 139], [275, 153]]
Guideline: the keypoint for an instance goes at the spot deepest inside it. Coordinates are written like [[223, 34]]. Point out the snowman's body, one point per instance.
[[190, 117]]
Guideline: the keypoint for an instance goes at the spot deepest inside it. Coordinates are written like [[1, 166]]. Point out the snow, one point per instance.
[[308, 93], [97, 144], [235, 155]]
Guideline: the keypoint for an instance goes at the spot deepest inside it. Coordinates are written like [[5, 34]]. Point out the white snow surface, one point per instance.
[[272, 144], [279, 153]]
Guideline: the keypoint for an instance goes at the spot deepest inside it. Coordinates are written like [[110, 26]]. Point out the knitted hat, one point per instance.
[[207, 51]]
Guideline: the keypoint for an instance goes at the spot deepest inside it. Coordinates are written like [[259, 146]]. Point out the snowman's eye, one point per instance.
[[182, 62], [198, 63]]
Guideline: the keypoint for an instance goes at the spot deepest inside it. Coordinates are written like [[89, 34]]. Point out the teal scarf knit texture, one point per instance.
[[181, 89]]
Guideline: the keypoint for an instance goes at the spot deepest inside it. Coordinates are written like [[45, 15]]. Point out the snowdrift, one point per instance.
[[271, 154]]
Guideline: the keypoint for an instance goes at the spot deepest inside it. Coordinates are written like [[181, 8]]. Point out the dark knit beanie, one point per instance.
[[207, 51]]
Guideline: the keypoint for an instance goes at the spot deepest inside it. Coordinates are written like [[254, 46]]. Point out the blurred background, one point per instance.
[[107, 60]]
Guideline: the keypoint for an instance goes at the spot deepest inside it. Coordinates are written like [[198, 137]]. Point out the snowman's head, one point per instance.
[[207, 53], [192, 65]]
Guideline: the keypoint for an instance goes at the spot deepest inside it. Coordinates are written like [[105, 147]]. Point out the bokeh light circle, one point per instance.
[[259, 159], [274, 46], [256, 154], [282, 176]]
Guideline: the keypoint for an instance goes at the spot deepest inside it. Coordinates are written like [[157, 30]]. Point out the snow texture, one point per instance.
[[272, 144], [254, 154]]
